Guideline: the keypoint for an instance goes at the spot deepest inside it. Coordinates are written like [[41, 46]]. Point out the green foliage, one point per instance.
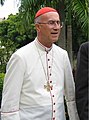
[[1, 81], [1, 85], [12, 37], [81, 12], [7, 45], [78, 36]]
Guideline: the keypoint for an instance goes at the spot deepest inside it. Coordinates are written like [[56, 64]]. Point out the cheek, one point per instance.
[[47, 32]]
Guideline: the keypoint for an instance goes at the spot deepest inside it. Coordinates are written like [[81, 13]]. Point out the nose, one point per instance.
[[56, 26]]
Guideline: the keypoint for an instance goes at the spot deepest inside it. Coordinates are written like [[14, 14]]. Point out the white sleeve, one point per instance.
[[12, 88], [10, 116], [70, 90]]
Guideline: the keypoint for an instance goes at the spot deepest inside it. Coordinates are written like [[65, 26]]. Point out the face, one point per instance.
[[48, 28]]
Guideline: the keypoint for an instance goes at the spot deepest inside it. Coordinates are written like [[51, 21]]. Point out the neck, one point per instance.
[[42, 46], [44, 43]]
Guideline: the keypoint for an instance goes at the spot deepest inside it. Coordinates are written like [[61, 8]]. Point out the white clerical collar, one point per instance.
[[41, 46]]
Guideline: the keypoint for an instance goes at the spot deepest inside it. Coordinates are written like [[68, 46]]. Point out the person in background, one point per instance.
[[82, 81], [38, 76]]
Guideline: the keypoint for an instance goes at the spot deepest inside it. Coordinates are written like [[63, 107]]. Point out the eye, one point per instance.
[[58, 22], [51, 22]]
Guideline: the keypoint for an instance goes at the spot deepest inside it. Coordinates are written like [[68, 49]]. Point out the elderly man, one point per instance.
[[39, 75]]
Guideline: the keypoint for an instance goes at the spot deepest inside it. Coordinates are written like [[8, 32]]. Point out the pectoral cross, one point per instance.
[[48, 86]]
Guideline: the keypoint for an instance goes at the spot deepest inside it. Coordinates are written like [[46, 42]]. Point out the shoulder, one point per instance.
[[25, 50], [59, 49], [84, 45], [60, 53], [84, 48]]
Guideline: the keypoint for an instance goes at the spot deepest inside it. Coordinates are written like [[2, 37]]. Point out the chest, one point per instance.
[[45, 67]]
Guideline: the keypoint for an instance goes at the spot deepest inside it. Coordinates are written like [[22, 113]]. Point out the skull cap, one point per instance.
[[44, 10]]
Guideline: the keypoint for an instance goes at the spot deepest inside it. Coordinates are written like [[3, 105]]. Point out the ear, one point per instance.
[[37, 26], [61, 25]]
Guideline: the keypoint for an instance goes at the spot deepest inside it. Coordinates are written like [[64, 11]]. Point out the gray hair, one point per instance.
[[37, 20]]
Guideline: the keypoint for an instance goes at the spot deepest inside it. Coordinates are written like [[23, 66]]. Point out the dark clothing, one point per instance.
[[81, 82]]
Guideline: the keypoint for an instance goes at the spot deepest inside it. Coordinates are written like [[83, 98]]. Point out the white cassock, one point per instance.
[[26, 95]]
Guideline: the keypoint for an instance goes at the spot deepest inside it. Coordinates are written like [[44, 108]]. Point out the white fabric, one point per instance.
[[24, 96]]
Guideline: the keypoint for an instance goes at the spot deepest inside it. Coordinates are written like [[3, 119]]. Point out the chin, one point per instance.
[[55, 40]]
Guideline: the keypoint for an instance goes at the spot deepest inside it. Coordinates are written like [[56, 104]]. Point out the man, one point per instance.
[[38, 75], [81, 82]]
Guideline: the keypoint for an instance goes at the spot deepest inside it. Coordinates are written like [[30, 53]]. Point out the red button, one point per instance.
[[50, 81], [50, 74], [47, 52], [51, 88], [54, 118], [53, 103]]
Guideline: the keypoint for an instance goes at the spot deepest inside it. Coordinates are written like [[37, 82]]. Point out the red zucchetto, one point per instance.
[[44, 10]]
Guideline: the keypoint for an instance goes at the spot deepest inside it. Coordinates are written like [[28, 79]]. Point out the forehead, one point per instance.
[[50, 16]]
